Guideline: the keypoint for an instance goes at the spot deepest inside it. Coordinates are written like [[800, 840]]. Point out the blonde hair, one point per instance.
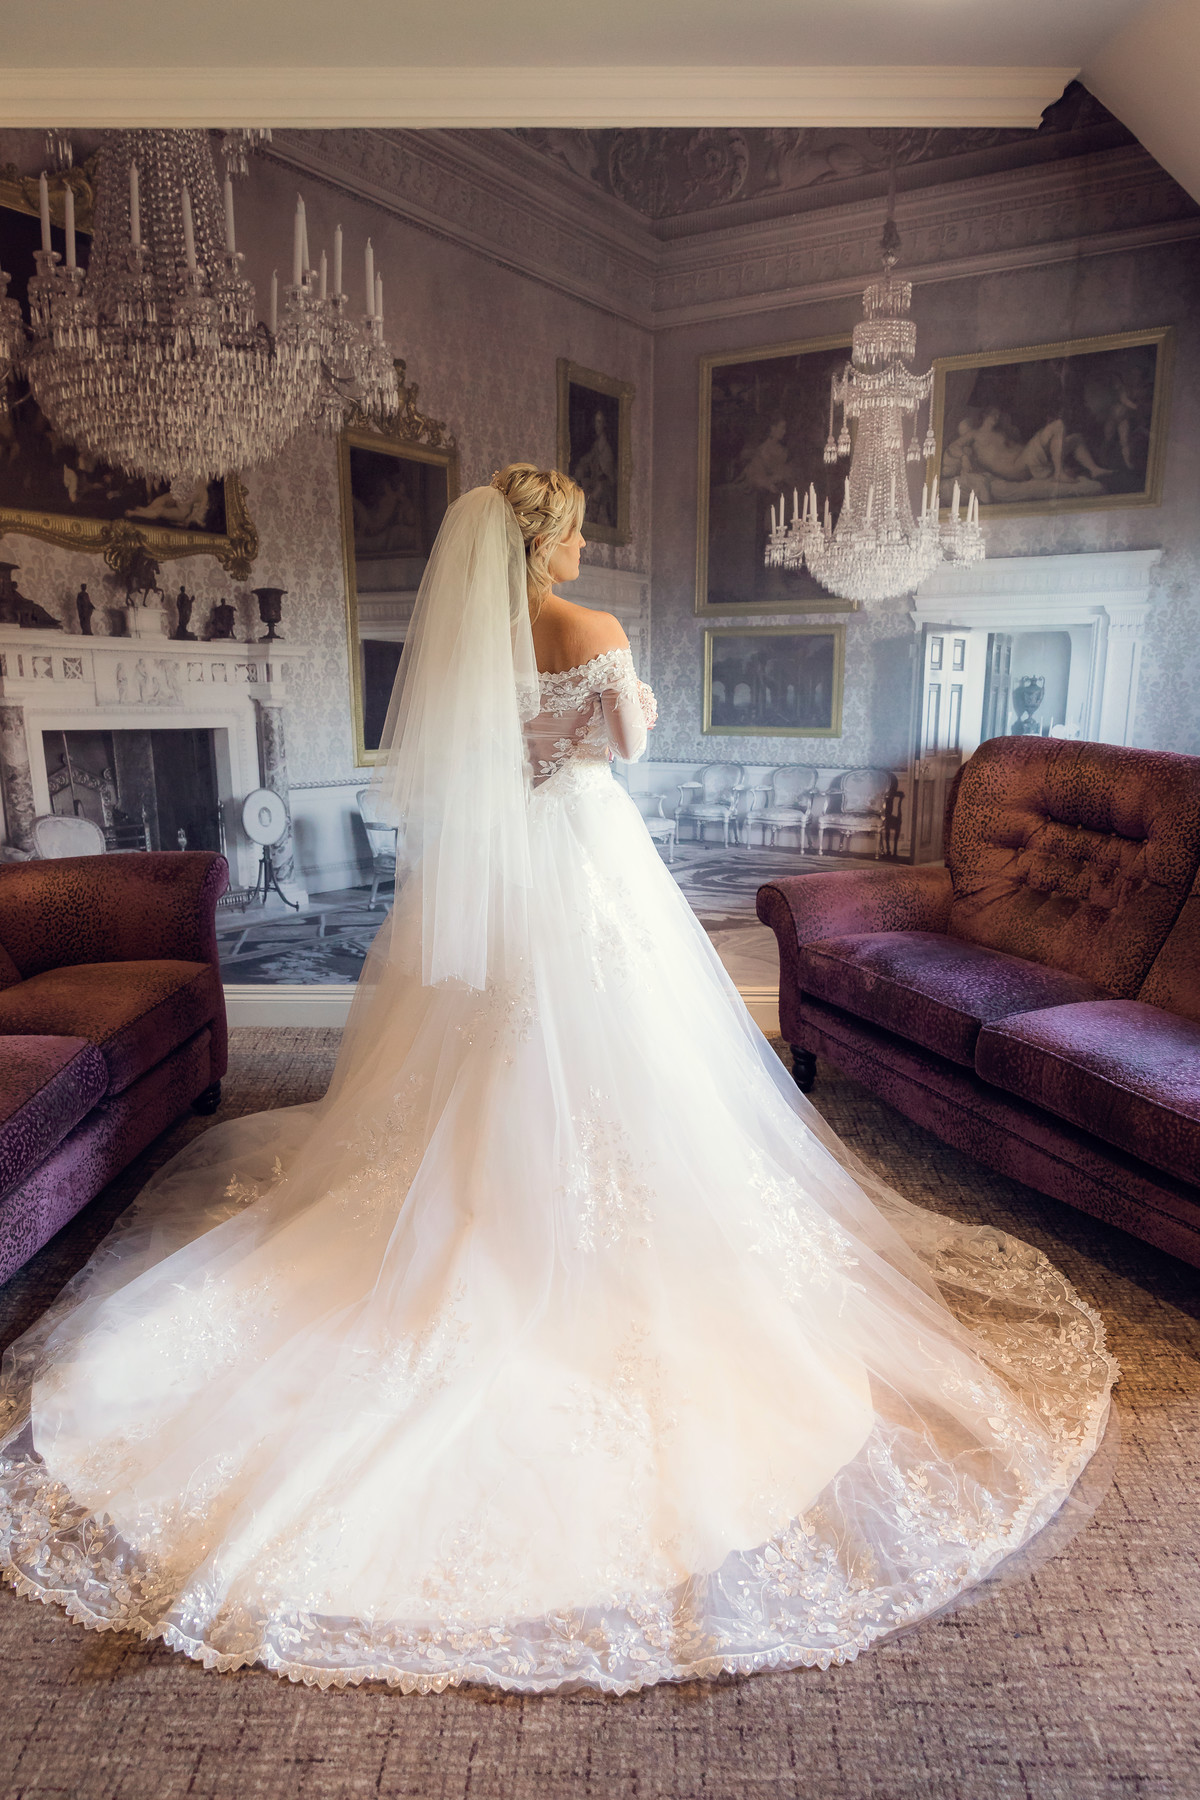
[[549, 509]]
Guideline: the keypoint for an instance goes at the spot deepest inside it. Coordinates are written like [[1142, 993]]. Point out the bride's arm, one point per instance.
[[630, 709]]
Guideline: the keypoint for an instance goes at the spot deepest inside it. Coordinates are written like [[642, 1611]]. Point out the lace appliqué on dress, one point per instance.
[[611, 1204], [807, 1249]]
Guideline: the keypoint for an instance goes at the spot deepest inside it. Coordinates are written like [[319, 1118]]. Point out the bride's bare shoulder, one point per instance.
[[576, 635], [595, 632]]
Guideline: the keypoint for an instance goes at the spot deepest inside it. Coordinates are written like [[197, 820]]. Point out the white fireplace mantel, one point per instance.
[[67, 682], [1107, 592]]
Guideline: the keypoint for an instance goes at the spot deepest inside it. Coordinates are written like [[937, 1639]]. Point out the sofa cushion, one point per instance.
[[932, 989], [1124, 1070], [1075, 855], [47, 1084], [134, 1012]]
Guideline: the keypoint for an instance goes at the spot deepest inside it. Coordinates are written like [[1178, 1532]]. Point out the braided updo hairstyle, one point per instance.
[[549, 509]]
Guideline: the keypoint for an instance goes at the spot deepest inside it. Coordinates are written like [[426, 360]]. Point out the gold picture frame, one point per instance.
[[1100, 416], [400, 547], [821, 718], [732, 527], [608, 477], [118, 540]]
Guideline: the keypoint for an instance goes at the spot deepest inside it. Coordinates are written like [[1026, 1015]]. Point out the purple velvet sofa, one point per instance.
[[1036, 1003], [112, 1023]]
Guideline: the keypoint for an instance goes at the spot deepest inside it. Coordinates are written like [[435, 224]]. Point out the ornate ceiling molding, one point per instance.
[[485, 97], [1117, 200], [521, 219], [517, 208]]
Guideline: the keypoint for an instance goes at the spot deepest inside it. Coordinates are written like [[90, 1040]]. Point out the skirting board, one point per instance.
[[250, 1003]]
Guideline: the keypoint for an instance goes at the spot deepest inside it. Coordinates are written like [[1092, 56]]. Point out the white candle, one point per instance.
[[870, 501], [795, 506], [69, 203], [369, 260], [828, 518], [135, 208], [772, 518], [298, 243], [324, 276], [304, 261], [189, 234], [954, 503], [893, 490], [379, 301], [44, 208], [337, 259], [274, 301], [230, 233], [812, 495]]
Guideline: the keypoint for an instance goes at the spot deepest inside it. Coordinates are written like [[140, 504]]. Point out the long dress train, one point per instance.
[[559, 1345]]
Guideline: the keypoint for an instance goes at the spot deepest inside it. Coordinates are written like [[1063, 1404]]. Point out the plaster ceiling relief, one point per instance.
[[671, 173]]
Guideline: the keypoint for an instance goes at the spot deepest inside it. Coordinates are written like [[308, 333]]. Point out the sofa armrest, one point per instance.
[[800, 909], [116, 908], [900, 898]]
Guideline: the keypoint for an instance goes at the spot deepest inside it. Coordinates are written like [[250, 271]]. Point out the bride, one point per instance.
[[561, 1343]]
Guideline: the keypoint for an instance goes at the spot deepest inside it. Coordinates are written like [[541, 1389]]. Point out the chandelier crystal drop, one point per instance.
[[877, 549], [155, 360]]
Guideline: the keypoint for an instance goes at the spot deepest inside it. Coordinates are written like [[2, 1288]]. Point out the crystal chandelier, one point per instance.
[[155, 359], [877, 549]]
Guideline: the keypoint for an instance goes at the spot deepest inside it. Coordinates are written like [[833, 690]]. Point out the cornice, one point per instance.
[[460, 193], [415, 97], [1116, 200], [515, 207]]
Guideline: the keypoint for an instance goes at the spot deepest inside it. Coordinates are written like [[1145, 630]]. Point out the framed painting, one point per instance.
[[774, 680], [764, 418], [1066, 427], [594, 442], [51, 489], [395, 492]]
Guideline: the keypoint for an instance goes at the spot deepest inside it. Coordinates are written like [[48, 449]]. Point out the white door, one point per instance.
[[953, 683]]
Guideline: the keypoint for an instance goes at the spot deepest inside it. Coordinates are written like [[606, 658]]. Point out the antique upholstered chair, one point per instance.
[[782, 801], [858, 800], [383, 840], [659, 823], [712, 800], [62, 834]]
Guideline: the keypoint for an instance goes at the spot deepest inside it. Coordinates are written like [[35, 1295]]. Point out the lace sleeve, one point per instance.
[[629, 706]]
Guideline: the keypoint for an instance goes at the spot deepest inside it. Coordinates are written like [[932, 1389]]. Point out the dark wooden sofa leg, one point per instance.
[[804, 1068], [208, 1101]]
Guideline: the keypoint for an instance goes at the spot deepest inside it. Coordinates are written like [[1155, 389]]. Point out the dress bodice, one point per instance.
[[590, 713]]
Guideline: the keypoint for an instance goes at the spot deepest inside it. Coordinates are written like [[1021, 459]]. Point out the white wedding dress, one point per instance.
[[560, 1344]]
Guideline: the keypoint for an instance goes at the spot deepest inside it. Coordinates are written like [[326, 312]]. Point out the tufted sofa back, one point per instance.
[[1078, 856]]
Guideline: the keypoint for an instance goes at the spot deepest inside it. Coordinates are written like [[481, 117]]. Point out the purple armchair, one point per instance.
[[112, 1023], [1036, 1002]]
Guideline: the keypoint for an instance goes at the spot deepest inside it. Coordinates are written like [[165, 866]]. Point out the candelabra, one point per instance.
[[877, 549], [155, 360]]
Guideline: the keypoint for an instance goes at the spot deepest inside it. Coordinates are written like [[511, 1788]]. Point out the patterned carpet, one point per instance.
[[1077, 1683]]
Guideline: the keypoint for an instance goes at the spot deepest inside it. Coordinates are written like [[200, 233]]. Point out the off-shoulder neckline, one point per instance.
[[582, 668]]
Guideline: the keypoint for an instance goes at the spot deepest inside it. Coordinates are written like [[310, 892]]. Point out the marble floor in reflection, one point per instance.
[[327, 944]]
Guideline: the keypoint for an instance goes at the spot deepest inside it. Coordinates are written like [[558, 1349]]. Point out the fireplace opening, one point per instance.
[[147, 790]]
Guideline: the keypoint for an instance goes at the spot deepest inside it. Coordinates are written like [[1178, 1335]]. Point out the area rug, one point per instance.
[[1076, 1683]]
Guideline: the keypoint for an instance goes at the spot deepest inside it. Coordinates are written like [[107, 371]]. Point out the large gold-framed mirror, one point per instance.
[[395, 491]]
